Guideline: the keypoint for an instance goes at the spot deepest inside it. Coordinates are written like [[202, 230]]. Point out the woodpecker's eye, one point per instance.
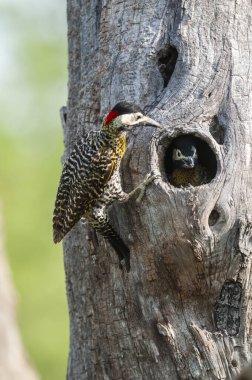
[[176, 155], [138, 116]]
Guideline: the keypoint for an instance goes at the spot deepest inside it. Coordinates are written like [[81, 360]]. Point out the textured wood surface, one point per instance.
[[184, 310]]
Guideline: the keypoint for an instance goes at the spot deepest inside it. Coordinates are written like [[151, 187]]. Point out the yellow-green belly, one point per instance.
[[186, 177]]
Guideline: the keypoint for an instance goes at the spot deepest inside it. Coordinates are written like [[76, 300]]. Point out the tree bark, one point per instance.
[[14, 364], [184, 310]]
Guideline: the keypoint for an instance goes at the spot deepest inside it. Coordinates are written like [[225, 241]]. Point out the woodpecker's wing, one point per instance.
[[84, 176]]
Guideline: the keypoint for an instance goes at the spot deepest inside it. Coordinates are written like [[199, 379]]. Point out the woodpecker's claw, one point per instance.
[[148, 179]]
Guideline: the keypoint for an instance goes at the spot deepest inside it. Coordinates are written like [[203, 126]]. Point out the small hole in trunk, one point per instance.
[[213, 218]]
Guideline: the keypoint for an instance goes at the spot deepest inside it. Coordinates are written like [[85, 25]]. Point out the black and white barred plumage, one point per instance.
[[90, 179]]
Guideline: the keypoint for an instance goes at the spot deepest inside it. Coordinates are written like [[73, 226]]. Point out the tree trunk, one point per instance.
[[14, 364], [184, 310]]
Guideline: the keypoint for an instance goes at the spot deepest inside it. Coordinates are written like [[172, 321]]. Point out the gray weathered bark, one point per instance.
[[184, 310], [14, 364]]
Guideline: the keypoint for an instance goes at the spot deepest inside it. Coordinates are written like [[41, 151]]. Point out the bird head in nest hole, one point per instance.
[[184, 152]]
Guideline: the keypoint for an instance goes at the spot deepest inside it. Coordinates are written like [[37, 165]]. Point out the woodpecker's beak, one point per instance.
[[145, 120], [189, 163]]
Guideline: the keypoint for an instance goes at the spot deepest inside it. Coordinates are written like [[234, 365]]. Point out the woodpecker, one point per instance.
[[90, 179], [186, 167]]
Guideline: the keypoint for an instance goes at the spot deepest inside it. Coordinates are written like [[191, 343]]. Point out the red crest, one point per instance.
[[111, 116]]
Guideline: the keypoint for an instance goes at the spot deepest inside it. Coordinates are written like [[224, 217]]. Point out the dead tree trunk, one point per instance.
[[184, 310]]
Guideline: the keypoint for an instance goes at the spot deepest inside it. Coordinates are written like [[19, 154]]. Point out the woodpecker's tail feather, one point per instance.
[[57, 235], [117, 243]]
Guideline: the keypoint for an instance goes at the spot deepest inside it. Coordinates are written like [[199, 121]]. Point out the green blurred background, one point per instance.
[[33, 80]]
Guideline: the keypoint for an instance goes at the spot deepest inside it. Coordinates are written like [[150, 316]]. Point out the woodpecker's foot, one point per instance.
[[142, 186], [124, 197]]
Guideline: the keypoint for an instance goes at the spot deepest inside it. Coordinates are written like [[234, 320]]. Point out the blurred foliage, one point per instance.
[[33, 81]]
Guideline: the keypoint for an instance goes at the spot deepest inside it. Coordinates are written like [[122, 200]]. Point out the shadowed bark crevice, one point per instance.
[[167, 58], [217, 130]]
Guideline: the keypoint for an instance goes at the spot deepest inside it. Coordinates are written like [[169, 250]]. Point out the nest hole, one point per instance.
[[167, 58], [217, 130], [213, 218], [203, 172]]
